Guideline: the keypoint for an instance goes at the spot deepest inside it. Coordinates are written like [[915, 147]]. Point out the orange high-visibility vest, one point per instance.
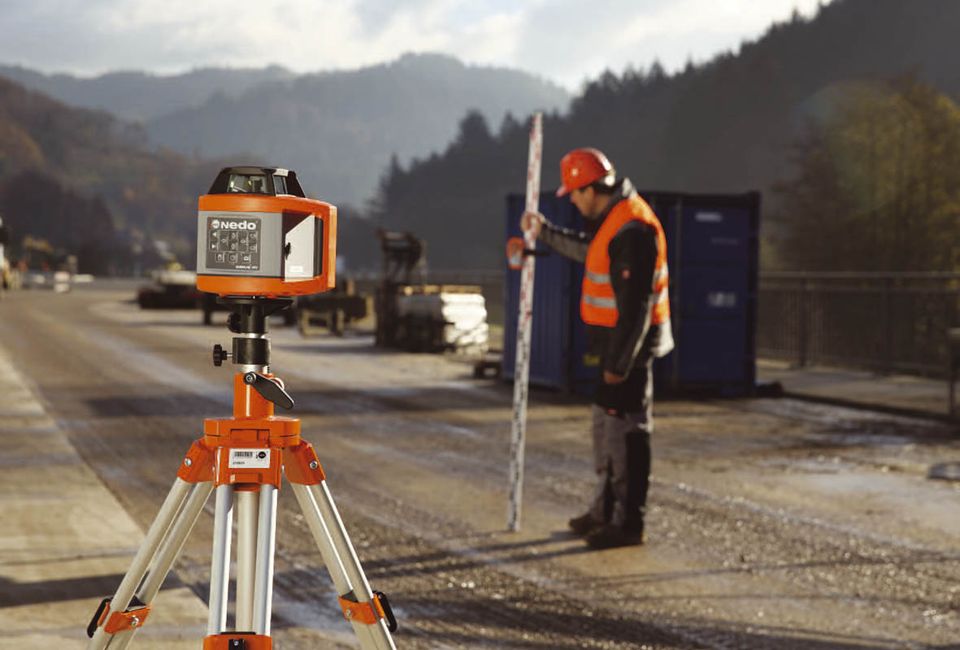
[[598, 304]]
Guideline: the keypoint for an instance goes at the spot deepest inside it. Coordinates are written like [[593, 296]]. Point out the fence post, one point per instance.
[[888, 324], [802, 329], [953, 369]]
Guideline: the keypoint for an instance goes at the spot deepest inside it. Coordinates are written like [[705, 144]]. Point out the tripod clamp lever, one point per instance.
[[269, 389]]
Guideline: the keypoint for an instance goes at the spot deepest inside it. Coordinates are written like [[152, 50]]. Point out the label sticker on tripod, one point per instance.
[[249, 458]]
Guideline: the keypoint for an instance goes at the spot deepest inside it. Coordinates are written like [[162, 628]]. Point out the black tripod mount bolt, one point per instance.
[[219, 355]]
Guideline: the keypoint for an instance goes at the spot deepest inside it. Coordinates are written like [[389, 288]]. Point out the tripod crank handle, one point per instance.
[[387, 611], [269, 390], [97, 616]]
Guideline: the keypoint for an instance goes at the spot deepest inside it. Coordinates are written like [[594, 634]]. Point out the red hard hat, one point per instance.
[[582, 167]]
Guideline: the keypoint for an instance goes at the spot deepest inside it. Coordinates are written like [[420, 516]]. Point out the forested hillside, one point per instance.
[[729, 125], [87, 185], [337, 129]]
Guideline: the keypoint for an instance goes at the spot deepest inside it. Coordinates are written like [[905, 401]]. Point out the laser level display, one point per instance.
[[259, 235]]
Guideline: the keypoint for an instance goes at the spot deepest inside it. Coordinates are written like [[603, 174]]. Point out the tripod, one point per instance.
[[242, 459]]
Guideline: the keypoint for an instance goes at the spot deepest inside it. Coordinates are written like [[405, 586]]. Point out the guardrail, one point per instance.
[[885, 322]]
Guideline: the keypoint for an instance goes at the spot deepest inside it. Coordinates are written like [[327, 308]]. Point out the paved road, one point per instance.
[[773, 523]]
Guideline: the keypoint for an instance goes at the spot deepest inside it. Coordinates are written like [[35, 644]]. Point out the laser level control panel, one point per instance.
[[233, 243]]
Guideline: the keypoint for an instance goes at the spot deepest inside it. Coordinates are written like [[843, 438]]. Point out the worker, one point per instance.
[[626, 308]]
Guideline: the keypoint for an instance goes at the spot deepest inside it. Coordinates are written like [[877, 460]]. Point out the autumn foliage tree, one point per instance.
[[877, 183]]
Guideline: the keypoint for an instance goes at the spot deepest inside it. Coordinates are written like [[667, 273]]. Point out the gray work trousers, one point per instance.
[[621, 452]]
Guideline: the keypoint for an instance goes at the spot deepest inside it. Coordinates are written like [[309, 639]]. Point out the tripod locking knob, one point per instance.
[[269, 389], [219, 355]]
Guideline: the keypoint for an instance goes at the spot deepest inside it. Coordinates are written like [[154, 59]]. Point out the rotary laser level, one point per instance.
[[260, 243], [258, 235]]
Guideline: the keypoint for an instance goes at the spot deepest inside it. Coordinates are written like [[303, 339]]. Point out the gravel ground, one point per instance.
[[772, 523]]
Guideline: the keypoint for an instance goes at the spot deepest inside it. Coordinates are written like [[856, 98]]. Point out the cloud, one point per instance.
[[564, 40], [570, 41]]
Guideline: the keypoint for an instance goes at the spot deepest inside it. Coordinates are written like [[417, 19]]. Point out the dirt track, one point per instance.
[[773, 523]]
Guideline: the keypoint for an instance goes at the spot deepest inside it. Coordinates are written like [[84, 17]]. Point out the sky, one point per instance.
[[565, 41]]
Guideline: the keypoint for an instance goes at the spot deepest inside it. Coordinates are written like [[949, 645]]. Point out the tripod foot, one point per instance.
[[238, 641]]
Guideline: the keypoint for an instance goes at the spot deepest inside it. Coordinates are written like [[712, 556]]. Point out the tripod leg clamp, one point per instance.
[[302, 466], [123, 621], [369, 613], [197, 465], [116, 622]]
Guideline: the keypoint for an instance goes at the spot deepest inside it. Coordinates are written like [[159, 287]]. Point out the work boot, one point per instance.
[[584, 524], [610, 536]]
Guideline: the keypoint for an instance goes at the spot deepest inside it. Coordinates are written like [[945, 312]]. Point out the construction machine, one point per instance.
[[421, 317]]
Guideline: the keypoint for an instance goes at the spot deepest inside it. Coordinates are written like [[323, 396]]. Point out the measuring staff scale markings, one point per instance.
[[260, 242]]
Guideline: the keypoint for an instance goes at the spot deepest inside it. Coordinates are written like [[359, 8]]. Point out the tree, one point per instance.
[[877, 185], [38, 208], [473, 130]]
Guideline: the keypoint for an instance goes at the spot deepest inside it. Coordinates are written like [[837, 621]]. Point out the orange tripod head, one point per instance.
[[258, 235]]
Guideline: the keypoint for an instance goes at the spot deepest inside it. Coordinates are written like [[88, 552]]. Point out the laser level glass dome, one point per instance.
[[271, 181], [248, 184]]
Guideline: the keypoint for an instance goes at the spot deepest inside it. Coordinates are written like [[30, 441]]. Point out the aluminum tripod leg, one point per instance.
[[341, 559], [220, 560], [266, 545], [247, 516], [160, 549]]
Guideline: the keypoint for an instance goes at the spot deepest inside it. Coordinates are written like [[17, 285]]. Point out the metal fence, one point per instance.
[[885, 322]]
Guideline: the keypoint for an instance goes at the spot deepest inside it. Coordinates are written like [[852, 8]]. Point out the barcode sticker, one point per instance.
[[249, 458]]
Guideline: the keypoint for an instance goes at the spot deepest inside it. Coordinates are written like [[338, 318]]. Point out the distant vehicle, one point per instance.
[[177, 289], [171, 289], [59, 281], [333, 310]]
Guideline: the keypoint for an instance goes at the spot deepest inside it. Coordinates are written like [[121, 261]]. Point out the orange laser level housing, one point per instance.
[[258, 235]]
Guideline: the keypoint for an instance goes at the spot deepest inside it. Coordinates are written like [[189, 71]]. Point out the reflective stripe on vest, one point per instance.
[[606, 303], [598, 304], [598, 278]]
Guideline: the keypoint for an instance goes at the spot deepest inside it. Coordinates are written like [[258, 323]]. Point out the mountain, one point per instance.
[[140, 96], [338, 130], [724, 126], [88, 184]]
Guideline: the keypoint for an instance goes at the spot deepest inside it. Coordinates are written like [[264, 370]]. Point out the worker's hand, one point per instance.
[[533, 222], [613, 378]]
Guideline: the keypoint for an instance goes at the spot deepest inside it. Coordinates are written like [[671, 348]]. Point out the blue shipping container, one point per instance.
[[712, 244]]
